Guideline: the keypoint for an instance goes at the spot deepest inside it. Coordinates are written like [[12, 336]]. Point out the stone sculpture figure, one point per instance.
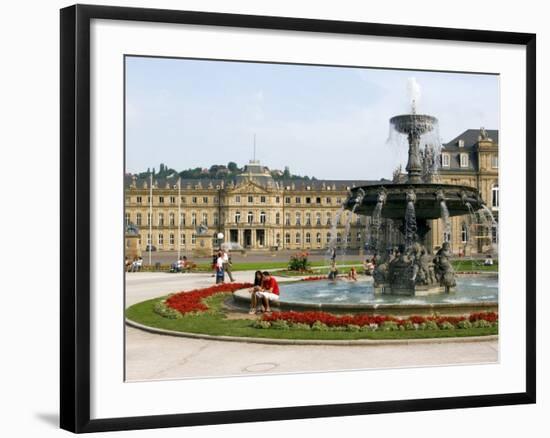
[[443, 269]]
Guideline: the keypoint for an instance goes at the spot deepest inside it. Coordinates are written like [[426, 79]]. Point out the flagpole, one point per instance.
[[179, 217], [150, 216]]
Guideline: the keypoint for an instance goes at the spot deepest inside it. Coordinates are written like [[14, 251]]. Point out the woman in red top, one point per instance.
[[269, 292]]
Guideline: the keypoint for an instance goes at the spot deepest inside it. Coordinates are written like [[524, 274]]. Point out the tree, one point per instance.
[[232, 166]]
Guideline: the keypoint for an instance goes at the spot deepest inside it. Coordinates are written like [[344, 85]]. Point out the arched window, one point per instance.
[[277, 218], [308, 238], [298, 218], [237, 217], [205, 219], [138, 219], [278, 239], [464, 233], [216, 218], [298, 238], [127, 218], [287, 218], [262, 217], [171, 238], [161, 239], [287, 238], [250, 217], [193, 218], [318, 238], [161, 220], [318, 218], [329, 219], [308, 218], [182, 219], [328, 237], [172, 219]]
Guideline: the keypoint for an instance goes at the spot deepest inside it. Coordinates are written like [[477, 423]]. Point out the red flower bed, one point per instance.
[[331, 320], [315, 278], [191, 301]]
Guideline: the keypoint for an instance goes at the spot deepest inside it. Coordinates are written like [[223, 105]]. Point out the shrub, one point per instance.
[[299, 262], [481, 323], [446, 325], [465, 324], [409, 325], [389, 326], [162, 309], [259, 324], [300, 326], [430, 325], [319, 326], [280, 325], [353, 328]]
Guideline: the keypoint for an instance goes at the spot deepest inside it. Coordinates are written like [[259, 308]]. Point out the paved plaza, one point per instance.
[[152, 356]]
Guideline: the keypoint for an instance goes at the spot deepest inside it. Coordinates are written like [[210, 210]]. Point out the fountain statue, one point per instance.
[[411, 203]]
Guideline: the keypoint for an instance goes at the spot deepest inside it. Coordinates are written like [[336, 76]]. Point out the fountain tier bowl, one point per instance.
[[427, 203], [413, 123]]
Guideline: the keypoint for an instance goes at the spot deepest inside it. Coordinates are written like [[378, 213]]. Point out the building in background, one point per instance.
[[254, 211]]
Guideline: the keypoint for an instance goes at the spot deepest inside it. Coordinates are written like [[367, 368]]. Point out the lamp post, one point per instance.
[[220, 237]]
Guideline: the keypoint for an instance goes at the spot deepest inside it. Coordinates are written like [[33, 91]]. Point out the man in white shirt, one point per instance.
[[227, 265]]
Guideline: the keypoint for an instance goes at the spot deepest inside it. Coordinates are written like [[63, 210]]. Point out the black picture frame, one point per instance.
[[75, 217]]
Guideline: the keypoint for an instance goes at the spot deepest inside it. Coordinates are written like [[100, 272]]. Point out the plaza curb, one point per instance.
[[372, 342]]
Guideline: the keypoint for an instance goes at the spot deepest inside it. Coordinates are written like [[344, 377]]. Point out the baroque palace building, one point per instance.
[[256, 212]]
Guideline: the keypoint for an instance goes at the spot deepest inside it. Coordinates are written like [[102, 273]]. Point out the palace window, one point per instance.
[[205, 219], [193, 218], [237, 199], [138, 199], [277, 218], [338, 237], [494, 197], [308, 218], [182, 199], [194, 199], [461, 143], [298, 219], [329, 200], [161, 239], [277, 199], [278, 239], [262, 217], [308, 238], [318, 218], [463, 160], [328, 237], [250, 199], [148, 219], [138, 219], [172, 239], [287, 238], [329, 219], [445, 160], [216, 219], [250, 217], [446, 237], [161, 220], [287, 200], [237, 217], [205, 199], [494, 161], [308, 200], [464, 233], [182, 239], [193, 239], [182, 218], [298, 199], [172, 199], [298, 238], [358, 236], [172, 219], [127, 218], [318, 238], [148, 239], [318, 200], [216, 199], [161, 199], [287, 219], [262, 199]]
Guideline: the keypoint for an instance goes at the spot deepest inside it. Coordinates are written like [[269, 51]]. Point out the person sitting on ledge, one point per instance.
[[352, 274], [333, 272], [269, 291], [488, 261], [258, 282]]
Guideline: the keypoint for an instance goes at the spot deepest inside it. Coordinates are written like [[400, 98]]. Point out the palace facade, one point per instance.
[[256, 212]]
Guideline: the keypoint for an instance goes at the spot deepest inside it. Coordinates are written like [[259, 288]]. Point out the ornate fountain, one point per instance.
[[412, 270]]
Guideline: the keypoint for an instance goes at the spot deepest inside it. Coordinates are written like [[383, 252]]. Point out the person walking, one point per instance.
[[219, 269], [227, 265]]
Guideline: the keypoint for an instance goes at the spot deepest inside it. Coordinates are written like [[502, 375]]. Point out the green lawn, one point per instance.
[[214, 322], [262, 266], [467, 265]]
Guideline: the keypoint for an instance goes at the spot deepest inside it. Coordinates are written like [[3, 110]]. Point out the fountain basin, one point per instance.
[[427, 204], [416, 124], [473, 294]]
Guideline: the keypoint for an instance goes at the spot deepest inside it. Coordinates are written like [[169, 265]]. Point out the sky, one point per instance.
[[327, 122]]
